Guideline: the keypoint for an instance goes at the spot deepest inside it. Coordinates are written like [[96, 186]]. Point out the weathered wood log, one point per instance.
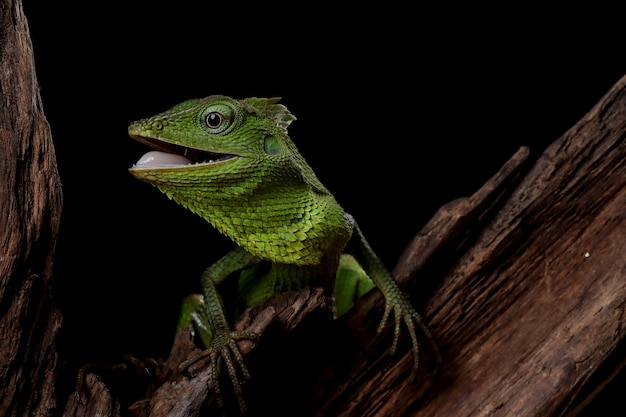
[[30, 205], [532, 309]]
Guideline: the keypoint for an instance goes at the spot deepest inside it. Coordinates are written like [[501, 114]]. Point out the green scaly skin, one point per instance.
[[258, 190]]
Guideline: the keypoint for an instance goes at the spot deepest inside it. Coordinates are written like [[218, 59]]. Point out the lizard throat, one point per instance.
[[172, 155]]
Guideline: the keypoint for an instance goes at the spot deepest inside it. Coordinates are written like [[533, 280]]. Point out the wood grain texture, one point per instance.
[[30, 203], [529, 313]]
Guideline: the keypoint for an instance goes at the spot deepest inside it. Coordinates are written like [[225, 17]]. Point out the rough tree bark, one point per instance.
[[30, 203], [522, 285]]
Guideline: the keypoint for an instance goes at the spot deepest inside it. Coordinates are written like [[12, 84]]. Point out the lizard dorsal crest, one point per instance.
[[269, 107]]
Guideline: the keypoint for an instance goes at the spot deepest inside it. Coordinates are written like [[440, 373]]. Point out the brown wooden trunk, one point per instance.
[[522, 285], [30, 203]]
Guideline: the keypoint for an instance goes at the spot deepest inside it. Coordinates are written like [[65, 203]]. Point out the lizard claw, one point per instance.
[[404, 312], [223, 346], [227, 349]]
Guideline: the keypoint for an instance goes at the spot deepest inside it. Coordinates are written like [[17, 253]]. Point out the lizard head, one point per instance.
[[221, 147], [210, 131], [216, 138]]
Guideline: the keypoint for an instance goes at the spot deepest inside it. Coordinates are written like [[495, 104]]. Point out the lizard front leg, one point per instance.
[[220, 339], [396, 301]]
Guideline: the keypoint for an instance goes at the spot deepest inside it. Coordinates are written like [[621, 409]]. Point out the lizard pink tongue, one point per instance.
[[161, 159]]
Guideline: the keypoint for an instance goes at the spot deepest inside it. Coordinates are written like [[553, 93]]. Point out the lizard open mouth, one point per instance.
[[171, 155]]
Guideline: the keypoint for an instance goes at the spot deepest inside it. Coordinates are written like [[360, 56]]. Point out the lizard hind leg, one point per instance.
[[351, 283], [193, 317]]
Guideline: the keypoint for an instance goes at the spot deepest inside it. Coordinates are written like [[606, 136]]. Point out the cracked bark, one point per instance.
[[30, 203]]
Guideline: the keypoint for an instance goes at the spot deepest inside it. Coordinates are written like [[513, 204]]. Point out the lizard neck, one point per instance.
[[277, 218]]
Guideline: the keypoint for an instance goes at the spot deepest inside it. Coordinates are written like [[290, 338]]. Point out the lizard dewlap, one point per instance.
[[233, 163]]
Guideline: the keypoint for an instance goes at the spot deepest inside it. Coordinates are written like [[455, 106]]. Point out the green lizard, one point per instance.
[[233, 163]]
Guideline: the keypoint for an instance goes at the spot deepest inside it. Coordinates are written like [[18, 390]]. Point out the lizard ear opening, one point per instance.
[[272, 145]]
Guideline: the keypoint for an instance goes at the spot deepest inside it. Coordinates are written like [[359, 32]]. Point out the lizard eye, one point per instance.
[[218, 118], [214, 120]]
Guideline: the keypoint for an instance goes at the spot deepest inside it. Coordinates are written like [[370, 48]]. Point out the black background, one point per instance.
[[400, 110]]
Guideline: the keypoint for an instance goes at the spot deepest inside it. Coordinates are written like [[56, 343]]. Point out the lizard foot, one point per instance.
[[223, 346], [404, 312]]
